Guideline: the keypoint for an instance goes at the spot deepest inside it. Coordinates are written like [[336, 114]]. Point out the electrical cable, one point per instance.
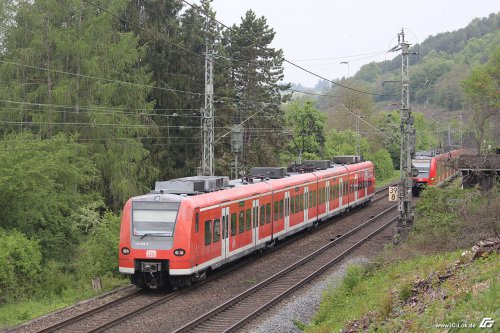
[[284, 59]]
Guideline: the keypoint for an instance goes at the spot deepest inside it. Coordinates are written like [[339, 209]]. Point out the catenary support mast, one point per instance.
[[208, 117], [407, 137]]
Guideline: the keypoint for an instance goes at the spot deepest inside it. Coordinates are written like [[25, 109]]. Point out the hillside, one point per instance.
[[442, 61], [433, 282]]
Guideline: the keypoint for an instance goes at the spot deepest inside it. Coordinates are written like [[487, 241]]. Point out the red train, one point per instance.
[[433, 168], [188, 226]]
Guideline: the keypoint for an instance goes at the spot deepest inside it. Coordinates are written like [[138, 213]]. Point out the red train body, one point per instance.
[[175, 238], [434, 169]]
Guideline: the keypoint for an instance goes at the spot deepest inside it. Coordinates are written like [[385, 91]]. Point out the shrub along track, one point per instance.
[[126, 308]]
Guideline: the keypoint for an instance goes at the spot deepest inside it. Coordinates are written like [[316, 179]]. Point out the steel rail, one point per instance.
[[307, 279], [127, 316], [89, 313], [211, 314]]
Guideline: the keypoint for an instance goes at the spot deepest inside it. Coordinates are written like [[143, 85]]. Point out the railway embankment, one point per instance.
[[444, 277]]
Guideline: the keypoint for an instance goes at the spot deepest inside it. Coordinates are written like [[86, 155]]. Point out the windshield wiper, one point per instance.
[[160, 234]]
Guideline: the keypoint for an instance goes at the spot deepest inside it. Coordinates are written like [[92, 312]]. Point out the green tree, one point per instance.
[[382, 161], [481, 95], [69, 69], [308, 124], [256, 70], [41, 183], [344, 143]]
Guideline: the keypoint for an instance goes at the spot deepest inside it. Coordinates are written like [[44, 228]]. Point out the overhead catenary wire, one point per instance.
[[124, 82], [351, 60], [111, 110], [100, 78], [284, 59], [326, 95], [341, 57], [117, 125]]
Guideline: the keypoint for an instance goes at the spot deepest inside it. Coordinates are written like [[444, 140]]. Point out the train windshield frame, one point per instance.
[[154, 219], [423, 167]]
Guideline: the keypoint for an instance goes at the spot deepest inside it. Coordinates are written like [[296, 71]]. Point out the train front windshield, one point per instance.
[[153, 219], [423, 167]]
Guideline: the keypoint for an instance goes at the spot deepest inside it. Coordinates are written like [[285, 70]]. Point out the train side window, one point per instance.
[[262, 215], [297, 203], [216, 230], [241, 222], [249, 219], [234, 222], [292, 204], [276, 210], [301, 203], [197, 222], [268, 213], [282, 209], [208, 232], [315, 198]]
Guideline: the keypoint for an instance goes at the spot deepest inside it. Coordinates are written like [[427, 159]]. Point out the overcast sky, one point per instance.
[[349, 30]]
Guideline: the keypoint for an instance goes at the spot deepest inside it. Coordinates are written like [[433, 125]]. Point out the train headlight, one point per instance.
[[179, 252], [125, 250]]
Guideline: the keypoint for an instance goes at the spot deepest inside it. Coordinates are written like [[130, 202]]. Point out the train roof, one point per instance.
[[238, 189]]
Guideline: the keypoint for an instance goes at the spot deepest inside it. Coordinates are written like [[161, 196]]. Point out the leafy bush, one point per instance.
[[451, 218], [20, 262], [99, 253], [41, 183], [383, 164]]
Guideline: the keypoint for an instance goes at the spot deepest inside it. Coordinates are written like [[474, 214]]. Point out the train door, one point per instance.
[[327, 197], [355, 187], [287, 210], [366, 183], [255, 221], [306, 204], [341, 192], [225, 233]]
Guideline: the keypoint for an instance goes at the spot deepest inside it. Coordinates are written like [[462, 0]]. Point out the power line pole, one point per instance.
[[407, 138], [358, 150], [208, 116]]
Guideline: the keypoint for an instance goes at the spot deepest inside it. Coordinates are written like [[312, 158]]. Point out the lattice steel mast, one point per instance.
[[208, 116], [407, 137]]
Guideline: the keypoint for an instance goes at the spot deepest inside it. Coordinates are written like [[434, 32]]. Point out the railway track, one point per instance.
[[235, 313], [120, 310]]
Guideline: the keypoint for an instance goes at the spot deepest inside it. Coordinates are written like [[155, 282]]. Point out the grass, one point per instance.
[[394, 178], [426, 281], [387, 298], [15, 313]]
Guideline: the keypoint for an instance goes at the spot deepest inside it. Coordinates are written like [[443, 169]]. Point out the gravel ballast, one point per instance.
[[303, 305]]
